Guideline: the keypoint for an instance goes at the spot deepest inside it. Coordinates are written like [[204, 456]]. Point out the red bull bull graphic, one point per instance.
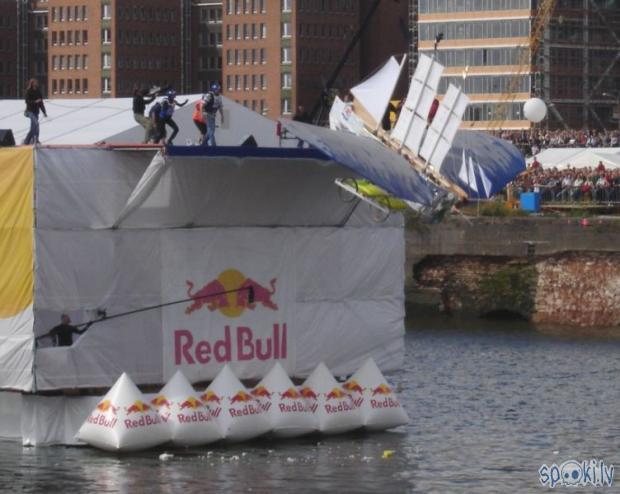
[[249, 405], [234, 303], [137, 407], [245, 346], [210, 397], [106, 406], [291, 394], [309, 393], [353, 386], [260, 392], [192, 410], [105, 415], [160, 401], [383, 398], [341, 401], [191, 403]]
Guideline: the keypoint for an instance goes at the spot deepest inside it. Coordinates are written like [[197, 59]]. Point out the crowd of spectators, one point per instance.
[[597, 184], [533, 141]]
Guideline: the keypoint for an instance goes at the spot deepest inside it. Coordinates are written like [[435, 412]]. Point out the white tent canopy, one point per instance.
[[91, 121], [563, 158]]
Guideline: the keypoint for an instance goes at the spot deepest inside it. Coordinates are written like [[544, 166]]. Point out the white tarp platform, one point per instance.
[[110, 120], [563, 158], [119, 230]]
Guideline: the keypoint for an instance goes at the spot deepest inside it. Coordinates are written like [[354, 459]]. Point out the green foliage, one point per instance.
[[512, 288]]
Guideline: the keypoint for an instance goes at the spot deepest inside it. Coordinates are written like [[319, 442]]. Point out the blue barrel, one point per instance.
[[530, 202]]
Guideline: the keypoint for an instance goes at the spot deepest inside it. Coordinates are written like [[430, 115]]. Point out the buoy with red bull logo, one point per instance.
[[290, 415], [379, 405], [123, 420], [238, 413], [187, 416], [336, 411]]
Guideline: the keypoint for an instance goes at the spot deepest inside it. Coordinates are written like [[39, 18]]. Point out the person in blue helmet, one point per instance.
[[165, 115], [212, 104]]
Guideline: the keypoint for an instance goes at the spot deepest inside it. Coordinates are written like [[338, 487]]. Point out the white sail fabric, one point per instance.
[[342, 117], [145, 187], [409, 129], [443, 129], [375, 92]]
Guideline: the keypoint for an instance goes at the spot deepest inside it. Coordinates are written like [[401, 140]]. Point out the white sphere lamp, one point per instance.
[[535, 110]]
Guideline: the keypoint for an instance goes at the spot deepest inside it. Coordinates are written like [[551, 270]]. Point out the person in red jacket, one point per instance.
[[198, 119]]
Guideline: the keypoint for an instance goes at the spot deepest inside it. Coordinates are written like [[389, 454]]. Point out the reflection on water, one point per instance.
[[489, 402]]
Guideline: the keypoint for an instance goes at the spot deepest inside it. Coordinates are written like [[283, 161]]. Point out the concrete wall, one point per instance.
[[558, 271]]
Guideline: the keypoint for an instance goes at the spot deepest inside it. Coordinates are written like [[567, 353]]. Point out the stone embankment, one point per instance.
[[546, 270]]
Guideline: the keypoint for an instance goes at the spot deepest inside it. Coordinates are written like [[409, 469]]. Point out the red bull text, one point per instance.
[[244, 346]]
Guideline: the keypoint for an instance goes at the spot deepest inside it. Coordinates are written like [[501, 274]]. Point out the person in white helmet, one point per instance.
[[212, 104]]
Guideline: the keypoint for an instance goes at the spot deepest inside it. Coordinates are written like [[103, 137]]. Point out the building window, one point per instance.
[[85, 37], [238, 82], [70, 86], [246, 86], [76, 14], [106, 11], [78, 62], [62, 62], [263, 107], [77, 86], [84, 61], [286, 55], [54, 62], [263, 31], [286, 106], [287, 80], [62, 86], [107, 61], [286, 5], [263, 56], [106, 36], [105, 85], [85, 85], [54, 38], [286, 29], [263, 81], [61, 38], [229, 85], [54, 86], [84, 18], [70, 37], [262, 6]]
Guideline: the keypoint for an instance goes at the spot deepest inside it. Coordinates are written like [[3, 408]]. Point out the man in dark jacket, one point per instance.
[[63, 333], [34, 104], [141, 98]]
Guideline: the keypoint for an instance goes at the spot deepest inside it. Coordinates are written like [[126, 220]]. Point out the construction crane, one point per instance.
[[526, 60]]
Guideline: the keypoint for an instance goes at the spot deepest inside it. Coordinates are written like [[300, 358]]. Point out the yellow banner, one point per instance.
[[16, 230]]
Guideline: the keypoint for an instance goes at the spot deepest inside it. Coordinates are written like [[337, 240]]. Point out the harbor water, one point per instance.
[[490, 402]]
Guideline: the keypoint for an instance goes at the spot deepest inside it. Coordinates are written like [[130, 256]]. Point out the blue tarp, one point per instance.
[[370, 159], [481, 164]]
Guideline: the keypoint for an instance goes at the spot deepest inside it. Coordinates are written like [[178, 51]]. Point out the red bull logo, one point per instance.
[[106, 406], [382, 389], [137, 407], [210, 397], [307, 392], [335, 394], [231, 304], [353, 386], [240, 343], [241, 397], [291, 393], [160, 401], [191, 403], [260, 392]]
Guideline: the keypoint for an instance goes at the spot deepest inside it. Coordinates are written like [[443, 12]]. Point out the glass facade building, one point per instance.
[[576, 69]]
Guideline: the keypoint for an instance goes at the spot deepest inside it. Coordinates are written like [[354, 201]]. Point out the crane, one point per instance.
[[526, 58]]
